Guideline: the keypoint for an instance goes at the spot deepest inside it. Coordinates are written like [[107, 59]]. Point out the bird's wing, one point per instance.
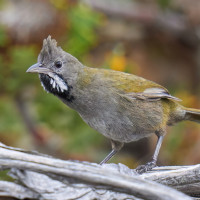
[[131, 86], [152, 94]]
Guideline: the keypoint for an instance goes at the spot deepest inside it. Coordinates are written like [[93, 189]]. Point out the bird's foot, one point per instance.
[[147, 167]]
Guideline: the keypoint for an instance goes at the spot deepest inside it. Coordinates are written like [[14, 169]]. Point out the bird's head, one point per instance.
[[56, 68]]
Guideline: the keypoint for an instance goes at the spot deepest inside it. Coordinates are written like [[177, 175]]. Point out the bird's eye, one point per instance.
[[58, 64]]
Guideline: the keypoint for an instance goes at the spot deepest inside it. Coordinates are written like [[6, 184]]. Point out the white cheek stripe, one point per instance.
[[57, 82], [54, 84]]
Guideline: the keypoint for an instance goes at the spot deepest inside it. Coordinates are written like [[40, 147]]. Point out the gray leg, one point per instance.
[[108, 157], [150, 165], [116, 146], [158, 145]]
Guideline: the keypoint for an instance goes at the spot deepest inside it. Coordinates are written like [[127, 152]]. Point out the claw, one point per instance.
[[147, 167]]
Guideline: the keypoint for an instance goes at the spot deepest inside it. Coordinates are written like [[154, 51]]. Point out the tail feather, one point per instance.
[[192, 114]]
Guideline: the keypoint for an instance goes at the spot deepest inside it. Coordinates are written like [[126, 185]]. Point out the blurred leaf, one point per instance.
[[3, 37], [4, 176], [164, 3], [83, 22], [11, 123], [21, 58], [1, 70]]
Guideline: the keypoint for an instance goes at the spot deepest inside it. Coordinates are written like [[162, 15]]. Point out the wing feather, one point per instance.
[[152, 94]]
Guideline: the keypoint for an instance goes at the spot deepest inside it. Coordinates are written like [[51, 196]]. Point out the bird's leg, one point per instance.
[[108, 157], [150, 165], [116, 146]]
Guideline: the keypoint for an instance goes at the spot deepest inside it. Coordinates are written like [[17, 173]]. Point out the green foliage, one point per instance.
[[1, 70], [174, 140], [4, 176], [82, 24], [13, 78], [16, 78], [3, 37], [11, 127], [164, 3]]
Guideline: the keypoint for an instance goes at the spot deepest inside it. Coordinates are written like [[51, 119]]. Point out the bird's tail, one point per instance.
[[192, 114]]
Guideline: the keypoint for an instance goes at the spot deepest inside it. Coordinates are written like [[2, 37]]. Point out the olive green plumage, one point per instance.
[[121, 106]]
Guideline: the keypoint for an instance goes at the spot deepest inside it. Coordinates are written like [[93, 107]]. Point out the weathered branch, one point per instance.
[[43, 177]]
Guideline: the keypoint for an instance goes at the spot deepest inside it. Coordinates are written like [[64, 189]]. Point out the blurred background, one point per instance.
[[156, 39]]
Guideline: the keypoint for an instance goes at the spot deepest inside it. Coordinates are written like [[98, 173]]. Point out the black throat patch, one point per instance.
[[48, 86]]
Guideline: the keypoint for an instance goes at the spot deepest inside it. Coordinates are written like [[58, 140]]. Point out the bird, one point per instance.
[[121, 106]]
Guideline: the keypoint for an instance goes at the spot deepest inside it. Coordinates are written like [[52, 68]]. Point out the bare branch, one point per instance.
[[15, 190], [50, 178]]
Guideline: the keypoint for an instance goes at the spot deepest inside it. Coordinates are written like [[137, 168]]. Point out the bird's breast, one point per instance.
[[117, 118]]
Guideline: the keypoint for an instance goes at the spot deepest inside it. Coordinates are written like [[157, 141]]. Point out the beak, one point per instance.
[[37, 68]]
